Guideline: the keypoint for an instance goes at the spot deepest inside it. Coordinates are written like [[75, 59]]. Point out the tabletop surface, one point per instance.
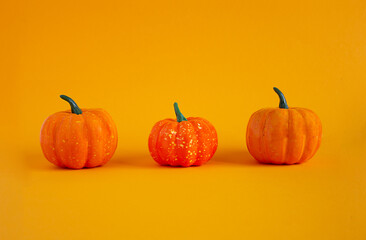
[[232, 196]]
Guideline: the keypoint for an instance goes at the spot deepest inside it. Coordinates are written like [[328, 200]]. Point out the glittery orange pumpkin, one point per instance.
[[182, 142], [79, 138], [283, 135]]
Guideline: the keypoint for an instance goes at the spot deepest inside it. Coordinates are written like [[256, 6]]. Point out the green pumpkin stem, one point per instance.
[[283, 103], [74, 107], [179, 115]]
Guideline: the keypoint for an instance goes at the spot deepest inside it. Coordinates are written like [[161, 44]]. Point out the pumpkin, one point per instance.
[[183, 141], [78, 138], [283, 135]]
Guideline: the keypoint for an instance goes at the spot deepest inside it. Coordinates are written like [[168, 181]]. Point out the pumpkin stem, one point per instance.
[[74, 107], [283, 103], [179, 115]]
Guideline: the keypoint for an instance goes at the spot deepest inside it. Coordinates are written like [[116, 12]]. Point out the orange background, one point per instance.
[[219, 60]]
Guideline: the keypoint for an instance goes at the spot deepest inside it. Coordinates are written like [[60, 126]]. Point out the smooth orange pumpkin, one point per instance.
[[79, 138], [182, 142], [283, 135]]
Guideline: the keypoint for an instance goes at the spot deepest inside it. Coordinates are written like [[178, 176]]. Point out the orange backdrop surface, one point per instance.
[[219, 60]]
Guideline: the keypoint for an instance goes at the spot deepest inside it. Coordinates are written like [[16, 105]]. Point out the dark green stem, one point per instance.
[[74, 107], [179, 115], [283, 103]]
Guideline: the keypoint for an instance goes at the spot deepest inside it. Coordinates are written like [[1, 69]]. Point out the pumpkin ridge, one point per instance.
[[289, 123], [45, 126], [293, 138], [262, 138], [212, 145], [285, 142], [57, 127], [175, 143], [306, 135], [182, 155], [64, 161], [196, 133], [69, 137], [213, 136], [88, 131], [114, 131], [319, 131], [164, 153], [248, 142], [87, 135], [157, 141], [106, 126], [249, 139], [80, 130], [198, 143], [93, 111], [196, 147], [153, 138]]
